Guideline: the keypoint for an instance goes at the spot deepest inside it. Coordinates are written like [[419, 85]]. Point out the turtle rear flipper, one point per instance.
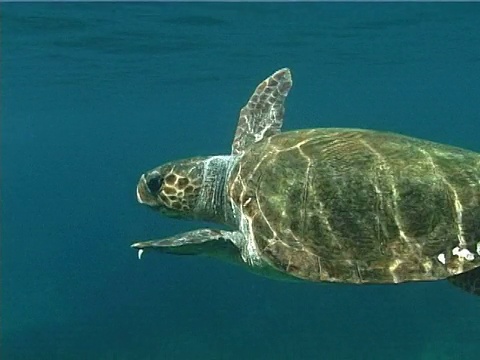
[[468, 281]]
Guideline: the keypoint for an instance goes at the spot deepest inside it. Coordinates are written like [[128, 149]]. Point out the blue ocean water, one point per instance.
[[93, 94]]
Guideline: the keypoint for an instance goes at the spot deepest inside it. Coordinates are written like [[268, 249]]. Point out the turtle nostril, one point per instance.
[[154, 183]]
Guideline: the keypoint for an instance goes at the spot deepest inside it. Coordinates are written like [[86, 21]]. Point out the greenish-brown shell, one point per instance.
[[360, 206]]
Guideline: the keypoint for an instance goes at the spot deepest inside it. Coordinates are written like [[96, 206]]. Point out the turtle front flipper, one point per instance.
[[220, 244], [262, 116], [468, 281], [210, 242]]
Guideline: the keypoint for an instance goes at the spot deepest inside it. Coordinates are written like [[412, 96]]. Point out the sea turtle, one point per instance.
[[328, 204]]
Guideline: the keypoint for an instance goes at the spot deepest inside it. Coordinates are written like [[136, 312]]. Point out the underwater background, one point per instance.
[[93, 94]]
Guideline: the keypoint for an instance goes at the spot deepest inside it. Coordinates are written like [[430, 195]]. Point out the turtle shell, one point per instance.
[[360, 206]]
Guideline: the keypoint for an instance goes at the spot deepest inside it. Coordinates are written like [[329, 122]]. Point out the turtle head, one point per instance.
[[174, 188]]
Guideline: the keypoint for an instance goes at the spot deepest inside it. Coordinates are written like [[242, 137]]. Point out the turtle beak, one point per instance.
[[143, 195], [139, 194]]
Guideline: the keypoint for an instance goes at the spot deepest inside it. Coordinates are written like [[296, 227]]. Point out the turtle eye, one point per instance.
[[154, 183]]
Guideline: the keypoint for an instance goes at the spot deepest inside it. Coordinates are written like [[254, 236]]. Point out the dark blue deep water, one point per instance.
[[92, 95]]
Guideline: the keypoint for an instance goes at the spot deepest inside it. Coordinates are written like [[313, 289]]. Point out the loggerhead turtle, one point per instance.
[[332, 204]]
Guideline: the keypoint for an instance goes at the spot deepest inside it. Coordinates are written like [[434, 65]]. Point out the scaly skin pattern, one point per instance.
[[360, 206]]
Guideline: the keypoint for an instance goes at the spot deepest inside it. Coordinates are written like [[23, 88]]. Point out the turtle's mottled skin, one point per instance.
[[336, 205]]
